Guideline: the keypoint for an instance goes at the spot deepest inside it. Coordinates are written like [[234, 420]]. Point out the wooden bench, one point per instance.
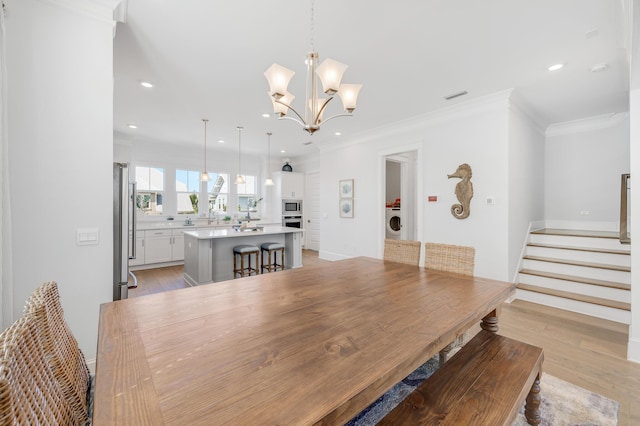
[[485, 383]]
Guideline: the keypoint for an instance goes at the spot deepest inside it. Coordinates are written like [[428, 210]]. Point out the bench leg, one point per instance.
[[532, 407]]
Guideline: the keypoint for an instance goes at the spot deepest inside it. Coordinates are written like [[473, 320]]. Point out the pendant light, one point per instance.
[[239, 179], [268, 181], [204, 176]]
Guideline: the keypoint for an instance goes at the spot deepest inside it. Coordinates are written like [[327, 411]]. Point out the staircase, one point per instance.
[[581, 271]]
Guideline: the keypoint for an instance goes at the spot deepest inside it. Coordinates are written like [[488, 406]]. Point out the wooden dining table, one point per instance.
[[314, 345]]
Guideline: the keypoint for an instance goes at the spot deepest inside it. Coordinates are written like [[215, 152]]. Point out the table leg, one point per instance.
[[490, 322]]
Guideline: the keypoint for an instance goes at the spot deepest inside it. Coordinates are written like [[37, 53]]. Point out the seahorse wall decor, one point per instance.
[[464, 192]]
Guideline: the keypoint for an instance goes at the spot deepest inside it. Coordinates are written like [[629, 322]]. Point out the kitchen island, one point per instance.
[[208, 254]]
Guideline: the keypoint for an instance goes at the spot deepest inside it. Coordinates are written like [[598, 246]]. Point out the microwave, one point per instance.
[[291, 207]]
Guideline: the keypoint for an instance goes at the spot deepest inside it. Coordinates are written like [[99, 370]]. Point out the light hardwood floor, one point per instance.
[[585, 351]]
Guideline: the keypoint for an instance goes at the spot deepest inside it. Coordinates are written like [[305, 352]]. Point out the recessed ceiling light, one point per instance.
[[555, 67], [337, 133], [220, 141], [146, 84], [265, 115], [282, 151], [132, 126]]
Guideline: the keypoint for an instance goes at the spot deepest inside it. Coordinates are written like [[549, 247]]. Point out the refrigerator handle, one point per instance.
[[134, 195]]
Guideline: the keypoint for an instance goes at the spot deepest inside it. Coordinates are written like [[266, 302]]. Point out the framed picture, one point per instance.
[[346, 188], [346, 207]]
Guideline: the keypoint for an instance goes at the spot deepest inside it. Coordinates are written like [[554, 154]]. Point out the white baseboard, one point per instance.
[[633, 350], [91, 363], [326, 255]]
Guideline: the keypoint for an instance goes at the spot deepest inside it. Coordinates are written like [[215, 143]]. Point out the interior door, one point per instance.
[[312, 212]]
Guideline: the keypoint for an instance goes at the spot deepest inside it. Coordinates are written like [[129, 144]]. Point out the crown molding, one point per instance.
[[101, 10], [519, 106], [587, 124], [494, 101]]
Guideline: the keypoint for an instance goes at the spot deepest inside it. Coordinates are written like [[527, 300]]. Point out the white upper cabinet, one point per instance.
[[289, 185]]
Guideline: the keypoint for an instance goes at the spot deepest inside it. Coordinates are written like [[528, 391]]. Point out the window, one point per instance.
[[187, 191], [218, 190], [247, 200], [150, 187]]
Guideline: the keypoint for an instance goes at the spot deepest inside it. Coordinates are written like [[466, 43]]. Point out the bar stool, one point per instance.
[[245, 251], [272, 249]]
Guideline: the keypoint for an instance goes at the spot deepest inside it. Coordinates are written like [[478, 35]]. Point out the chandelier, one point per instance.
[[330, 74]]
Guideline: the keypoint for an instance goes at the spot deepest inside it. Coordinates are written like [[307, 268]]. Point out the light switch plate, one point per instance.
[[87, 236]]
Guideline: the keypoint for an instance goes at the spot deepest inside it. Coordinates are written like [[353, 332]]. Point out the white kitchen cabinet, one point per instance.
[[163, 245], [289, 185], [157, 246], [177, 244]]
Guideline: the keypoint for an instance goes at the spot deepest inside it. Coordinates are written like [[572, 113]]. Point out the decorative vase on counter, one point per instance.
[[287, 167]]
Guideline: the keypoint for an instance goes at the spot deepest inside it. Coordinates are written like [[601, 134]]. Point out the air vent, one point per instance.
[[456, 95], [307, 143]]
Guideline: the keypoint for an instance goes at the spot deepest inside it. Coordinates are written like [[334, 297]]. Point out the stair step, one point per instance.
[[578, 263], [596, 311], [577, 233], [577, 297], [589, 249], [564, 277]]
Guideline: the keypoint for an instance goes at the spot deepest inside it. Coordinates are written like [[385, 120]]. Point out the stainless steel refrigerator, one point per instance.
[[124, 230]]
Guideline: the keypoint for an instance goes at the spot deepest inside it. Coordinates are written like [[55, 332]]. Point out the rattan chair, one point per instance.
[[65, 358], [29, 393], [402, 251], [450, 258]]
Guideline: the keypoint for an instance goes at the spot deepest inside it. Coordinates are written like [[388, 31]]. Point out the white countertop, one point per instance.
[[179, 224], [207, 234]]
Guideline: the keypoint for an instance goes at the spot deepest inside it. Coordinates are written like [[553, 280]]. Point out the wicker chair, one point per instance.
[[29, 393], [402, 251], [66, 360], [450, 258]]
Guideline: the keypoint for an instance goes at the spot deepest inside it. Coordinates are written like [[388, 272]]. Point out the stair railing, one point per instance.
[[625, 209]]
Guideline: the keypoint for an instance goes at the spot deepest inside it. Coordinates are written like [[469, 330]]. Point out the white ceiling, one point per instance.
[[207, 58]]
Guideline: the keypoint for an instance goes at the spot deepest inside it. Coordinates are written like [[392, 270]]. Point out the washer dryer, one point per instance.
[[393, 223]]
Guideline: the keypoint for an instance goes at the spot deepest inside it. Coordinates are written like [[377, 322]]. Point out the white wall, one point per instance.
[[633, 350], [480, 140], [60, 125], [525, 182], [393, 174], [475, 133], [584, 160]]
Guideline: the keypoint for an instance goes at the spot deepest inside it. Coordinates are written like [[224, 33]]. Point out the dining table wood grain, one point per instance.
[[314, 345]]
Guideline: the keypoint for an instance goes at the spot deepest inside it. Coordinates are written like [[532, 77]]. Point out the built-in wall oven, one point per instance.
[[292, 213], [292, 221]]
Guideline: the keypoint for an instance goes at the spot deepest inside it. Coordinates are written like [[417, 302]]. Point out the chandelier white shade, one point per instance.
[[330, 74], [204, 176], [239, 178]]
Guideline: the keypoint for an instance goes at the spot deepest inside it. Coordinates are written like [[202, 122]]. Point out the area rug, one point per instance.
[[562, 402]]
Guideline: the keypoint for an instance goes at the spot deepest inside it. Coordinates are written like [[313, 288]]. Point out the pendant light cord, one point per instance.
[[239, 148]]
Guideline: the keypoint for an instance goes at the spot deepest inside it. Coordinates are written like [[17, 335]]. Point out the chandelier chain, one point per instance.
[[313, 47]]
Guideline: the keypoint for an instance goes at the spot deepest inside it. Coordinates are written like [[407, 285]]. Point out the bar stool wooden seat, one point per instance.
[[245, 251], [272, 249]]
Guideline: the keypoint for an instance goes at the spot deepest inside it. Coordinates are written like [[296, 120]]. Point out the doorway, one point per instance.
[[400, 189]]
